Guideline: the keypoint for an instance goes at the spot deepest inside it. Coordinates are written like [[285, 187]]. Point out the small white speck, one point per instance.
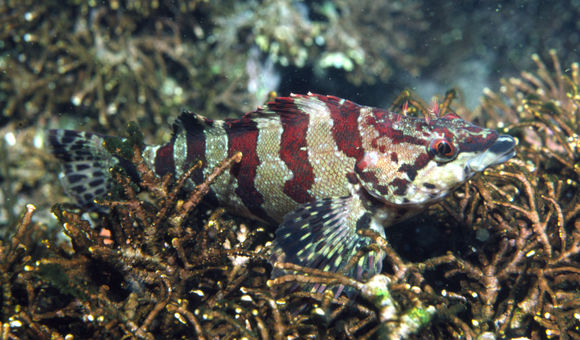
[[10, 138], [180, 318], [15, 324], [76, 100], [38, 140], [319, 311]]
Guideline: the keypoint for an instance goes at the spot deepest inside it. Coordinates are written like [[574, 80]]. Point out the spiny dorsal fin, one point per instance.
[[191, 123], [302, 104]]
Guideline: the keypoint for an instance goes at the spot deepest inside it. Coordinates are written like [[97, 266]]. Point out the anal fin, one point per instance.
[[323, 235]]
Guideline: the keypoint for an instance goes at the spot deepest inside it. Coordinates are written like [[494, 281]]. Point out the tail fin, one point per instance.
[[86, 164]]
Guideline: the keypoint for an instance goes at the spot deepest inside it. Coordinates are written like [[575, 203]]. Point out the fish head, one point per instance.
[[414, 161]]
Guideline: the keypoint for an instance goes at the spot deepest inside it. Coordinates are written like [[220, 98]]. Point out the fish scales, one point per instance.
[[289, 155], [319, 167]]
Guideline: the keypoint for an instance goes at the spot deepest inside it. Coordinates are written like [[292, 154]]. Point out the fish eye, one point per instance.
[[442, 149]]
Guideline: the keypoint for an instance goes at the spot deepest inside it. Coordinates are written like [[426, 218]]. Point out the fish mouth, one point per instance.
[[500, 151]]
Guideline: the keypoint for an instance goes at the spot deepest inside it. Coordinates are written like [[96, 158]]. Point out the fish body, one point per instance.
[[319, 167]]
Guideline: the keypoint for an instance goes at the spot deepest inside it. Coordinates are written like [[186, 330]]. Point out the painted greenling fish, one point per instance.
[[319, 167]]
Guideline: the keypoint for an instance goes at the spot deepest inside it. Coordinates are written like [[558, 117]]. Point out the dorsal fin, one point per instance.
[[301, 104], [191, 123]]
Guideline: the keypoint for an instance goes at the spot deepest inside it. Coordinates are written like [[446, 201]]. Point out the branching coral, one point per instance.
[[111, 62], [547, 106], [151, 268], [522, 279], [145, 259], [51, 60]]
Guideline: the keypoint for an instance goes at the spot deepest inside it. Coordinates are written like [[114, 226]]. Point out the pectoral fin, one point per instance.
[[323, 235]]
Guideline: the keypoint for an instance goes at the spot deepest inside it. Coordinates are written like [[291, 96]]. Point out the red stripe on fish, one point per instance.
[[243, 137], [164, 162], [345, 128], [293, 151], [194, 131]]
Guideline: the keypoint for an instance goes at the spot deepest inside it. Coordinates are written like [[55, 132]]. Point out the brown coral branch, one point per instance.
[[180, 310], [142, 330], [172, 196], [203, 188], [279, 330], [311, 276], [531, 211]]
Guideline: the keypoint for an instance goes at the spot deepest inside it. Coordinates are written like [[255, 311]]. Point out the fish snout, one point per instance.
[[500, 151]]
